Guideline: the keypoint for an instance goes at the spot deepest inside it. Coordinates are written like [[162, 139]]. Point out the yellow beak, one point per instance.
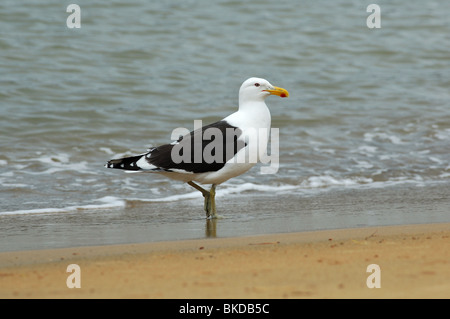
[[278, 91]]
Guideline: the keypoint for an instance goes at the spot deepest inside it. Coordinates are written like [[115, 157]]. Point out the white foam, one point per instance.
[[13, 185], [364, 164], [367, 149], [7, 174], [3, 162], [64, 166], [443, 135], [78, 167], [223, 190], [327, 180], [308, 186], [172, 198], [108, 203], [435, 159], [311, 184], [35, 211], [107, 150], [368, 137], [59, 158], [239, 188], [56, 163]]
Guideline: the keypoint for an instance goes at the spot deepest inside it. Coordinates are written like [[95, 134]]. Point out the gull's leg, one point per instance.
[[209, 204], [199, 188], [212, 195]]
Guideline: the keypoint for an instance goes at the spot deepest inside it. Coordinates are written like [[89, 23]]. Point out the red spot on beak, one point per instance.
[[282, 95]]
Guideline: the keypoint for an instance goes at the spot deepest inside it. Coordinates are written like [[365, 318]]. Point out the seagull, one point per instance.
[[214, 153]]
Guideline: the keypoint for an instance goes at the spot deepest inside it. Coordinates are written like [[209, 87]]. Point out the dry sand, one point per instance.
[[414, 262]]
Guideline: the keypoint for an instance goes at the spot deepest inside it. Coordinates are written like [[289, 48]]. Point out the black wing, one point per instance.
[[203, 150]]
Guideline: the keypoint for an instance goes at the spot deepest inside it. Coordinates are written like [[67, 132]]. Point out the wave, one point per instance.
[[221, 191], [50, 164], [109, 202], [310, 186]]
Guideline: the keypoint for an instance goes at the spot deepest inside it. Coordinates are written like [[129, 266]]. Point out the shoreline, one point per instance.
[[144, 222], [413, 260]]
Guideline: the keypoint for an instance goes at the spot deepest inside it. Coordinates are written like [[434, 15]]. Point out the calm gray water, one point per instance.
[[369, 110]]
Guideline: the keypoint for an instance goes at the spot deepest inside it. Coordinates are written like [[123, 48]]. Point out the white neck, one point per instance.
[[253, 114]]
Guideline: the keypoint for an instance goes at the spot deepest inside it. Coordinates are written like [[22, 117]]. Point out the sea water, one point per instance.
[[368, 110]]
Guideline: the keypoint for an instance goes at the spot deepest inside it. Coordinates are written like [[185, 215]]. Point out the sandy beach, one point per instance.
[[413, 260]]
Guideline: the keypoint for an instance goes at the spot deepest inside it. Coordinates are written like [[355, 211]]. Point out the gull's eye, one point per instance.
[[257, 84]]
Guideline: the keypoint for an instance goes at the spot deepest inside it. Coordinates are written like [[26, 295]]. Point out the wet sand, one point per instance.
[[414, 262], [263, 214]]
